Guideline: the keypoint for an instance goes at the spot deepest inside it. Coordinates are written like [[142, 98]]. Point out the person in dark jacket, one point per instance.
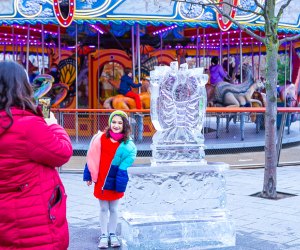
[[110, 154], [32, 195], [125, 87], [55, 73]]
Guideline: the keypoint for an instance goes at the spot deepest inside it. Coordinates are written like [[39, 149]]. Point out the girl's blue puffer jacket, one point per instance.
[[117, 177]]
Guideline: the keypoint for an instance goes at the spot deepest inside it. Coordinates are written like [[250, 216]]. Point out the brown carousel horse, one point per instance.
[[123, 102]]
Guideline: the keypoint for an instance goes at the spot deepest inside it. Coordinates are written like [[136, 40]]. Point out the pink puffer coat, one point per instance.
[[32, 196]]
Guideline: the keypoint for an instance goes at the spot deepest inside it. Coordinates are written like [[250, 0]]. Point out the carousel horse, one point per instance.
[[230, 95], [241, 95], [287, 93], [288, 96], [123, 102], [43, 85], [58, 93]]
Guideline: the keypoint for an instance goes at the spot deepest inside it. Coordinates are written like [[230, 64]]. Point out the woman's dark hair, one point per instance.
[[127, 71], [126, 130], [215, 60], [15, 89]]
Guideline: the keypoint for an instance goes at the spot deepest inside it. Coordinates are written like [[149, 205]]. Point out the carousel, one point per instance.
[[75, 51]]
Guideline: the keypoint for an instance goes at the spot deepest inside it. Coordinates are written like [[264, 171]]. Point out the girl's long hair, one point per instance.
[[126, 130], [15, 89]]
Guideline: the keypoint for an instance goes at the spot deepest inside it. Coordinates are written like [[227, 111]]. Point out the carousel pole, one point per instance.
[[37, 57], [259, 56], [13, 44], [285, 72], [228, 51], [27, 48], [138, 45], [241, 58], [197, 48], [76, 80], [16, 55], [4, 51], [133, 51], [43, 52], [59, 44], [291, 60], [220, 48], [252, 58], [98, 64], [161, 46], [204, 49], [22, 52]]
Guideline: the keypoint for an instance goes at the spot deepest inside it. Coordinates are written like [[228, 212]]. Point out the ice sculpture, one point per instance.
[[178, 104], [179, 202]]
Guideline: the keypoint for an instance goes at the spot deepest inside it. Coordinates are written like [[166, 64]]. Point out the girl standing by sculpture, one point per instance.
[[110, 154]]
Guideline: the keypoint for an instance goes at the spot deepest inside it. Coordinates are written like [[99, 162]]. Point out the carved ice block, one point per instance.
[[178, 104], [177, 208]]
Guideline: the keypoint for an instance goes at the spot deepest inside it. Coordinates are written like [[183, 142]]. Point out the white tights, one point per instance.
[[112, 207]]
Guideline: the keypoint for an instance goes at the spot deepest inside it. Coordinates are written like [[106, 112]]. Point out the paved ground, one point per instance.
[[260, 224]]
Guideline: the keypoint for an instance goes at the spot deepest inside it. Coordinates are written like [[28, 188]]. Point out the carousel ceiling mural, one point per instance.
[[145, 12]]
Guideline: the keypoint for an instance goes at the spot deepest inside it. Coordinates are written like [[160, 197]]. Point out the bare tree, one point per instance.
[[272, 42]]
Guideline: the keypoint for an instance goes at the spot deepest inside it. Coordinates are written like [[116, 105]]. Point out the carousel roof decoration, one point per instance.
[[64, 11], [97, 29], [164, 29], [225, 23]]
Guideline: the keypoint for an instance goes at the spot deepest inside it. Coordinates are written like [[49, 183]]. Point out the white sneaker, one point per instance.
[[114, 241], [103, 241]]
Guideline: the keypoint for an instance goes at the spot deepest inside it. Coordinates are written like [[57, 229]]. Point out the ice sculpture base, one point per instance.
[[190, 154], [179, 207]]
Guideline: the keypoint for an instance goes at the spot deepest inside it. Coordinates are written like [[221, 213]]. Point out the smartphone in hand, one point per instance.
[[45, 104]]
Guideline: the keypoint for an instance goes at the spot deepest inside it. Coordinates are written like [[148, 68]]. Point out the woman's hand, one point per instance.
[[51, 120], [89, 183]]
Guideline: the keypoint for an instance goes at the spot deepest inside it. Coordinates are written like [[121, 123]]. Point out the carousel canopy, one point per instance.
[[176, 24], [144, 12]]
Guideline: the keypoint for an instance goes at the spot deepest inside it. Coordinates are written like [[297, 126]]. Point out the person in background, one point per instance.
[[34, 73], [110, 154], [231, 67], [54, 72], [217, 73], [32, 196], [125, 87], [146, 84]]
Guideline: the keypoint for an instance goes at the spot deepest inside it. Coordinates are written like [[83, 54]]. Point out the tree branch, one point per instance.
[[282, 8], [249, 32], [214, 4], [259, 5], [289, 39]]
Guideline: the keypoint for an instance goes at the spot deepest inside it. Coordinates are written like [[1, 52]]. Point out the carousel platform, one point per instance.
[[231, 139]]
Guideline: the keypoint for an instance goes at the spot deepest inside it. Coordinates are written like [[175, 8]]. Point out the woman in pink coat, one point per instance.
[[32, 196]]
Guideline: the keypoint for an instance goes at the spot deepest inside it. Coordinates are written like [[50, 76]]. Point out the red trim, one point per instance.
[[65, 22], [208, 110], [226, 26]]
